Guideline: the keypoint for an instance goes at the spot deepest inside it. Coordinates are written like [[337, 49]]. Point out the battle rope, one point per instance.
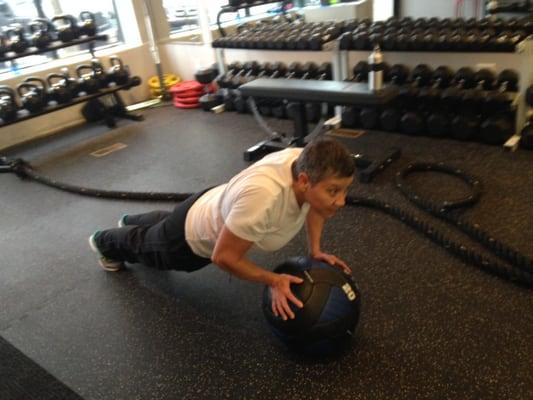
[[520, 270], [24, 171]]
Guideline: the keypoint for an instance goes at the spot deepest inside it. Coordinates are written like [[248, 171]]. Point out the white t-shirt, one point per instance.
[[258, 205]]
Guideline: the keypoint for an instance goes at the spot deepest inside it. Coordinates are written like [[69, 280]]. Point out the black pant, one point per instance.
[[155, 239]]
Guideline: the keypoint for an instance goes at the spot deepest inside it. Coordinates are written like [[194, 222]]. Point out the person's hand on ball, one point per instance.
[[332, 260], [282, 294]]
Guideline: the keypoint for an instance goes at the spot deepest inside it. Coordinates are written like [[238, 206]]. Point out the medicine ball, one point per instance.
[[327, 321]]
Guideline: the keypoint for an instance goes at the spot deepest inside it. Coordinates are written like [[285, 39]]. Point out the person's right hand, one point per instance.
[[281, 294]]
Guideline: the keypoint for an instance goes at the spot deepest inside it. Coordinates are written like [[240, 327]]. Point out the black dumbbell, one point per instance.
[[397, 75], [451, 97], [315, 110], [415, 40], [279, 70], [438, 120], [295, 71], [310, 70], [500, 99], [442, 39], [249, 71], [507, 41], [369, 117], [360, 72], [465, 127], [441, 78], [389, 119], [224, 81], [361, 41], [496, 129], [412, 123], [473, 100], [350, 117], [420, 77], [317, 40]]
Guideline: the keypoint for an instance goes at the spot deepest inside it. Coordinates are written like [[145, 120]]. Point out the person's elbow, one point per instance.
[[223, 259]]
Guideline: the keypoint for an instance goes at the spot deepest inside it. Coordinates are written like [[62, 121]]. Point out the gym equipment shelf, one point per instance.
[[60, 45], [244, 4], [134, 81], [119, 110]]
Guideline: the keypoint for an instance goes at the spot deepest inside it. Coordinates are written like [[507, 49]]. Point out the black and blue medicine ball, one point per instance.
[[332, 302]]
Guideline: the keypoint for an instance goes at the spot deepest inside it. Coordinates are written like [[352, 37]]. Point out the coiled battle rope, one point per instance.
[[520, 268]]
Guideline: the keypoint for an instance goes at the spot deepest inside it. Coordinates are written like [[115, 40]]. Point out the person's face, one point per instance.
[[328, 195]]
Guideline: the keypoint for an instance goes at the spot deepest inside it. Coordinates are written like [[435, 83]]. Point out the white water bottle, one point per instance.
[[375, 66]]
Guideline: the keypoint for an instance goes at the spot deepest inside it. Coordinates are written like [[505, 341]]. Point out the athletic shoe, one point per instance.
[[105, 263], [122, 221]]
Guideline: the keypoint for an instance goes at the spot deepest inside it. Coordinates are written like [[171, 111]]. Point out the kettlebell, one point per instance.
[[118, 73], [87, 24], [59, 88], [42, 33], [66, 27], [8, 104], [16, 40], [100, 73], [30, 97], [86, 79], [41, 88]]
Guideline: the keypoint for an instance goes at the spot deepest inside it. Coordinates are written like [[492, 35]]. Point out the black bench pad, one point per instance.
[[334, 92]]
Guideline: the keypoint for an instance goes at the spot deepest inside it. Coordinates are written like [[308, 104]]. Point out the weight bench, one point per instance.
[[304, 91]]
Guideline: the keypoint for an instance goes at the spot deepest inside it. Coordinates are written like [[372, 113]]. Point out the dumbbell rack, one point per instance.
[[119, 112], [520, 60]]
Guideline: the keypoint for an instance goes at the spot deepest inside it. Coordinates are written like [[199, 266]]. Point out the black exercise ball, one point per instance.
[[326, 323]]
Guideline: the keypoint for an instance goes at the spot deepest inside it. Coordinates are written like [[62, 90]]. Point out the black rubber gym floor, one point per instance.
[[432, 327]]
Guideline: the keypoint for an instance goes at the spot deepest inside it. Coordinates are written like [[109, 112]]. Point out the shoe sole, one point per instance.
[[104, 266], [120, 222]]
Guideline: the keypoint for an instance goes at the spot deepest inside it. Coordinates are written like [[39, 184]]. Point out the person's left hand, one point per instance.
[[333, 260]]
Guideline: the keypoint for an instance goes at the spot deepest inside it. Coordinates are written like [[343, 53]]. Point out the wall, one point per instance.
[[382, 10], [437, 8]]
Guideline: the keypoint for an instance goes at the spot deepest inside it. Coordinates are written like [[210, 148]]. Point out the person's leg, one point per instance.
[[149, 218], [161, 246]]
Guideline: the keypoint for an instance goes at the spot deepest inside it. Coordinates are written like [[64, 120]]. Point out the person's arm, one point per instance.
[[314, 225], [230, 255]]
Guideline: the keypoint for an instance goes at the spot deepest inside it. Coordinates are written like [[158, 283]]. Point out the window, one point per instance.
[[24, 11], [216, 5], [182, 16]]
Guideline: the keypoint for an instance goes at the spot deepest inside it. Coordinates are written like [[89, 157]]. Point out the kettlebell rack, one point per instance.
[[91, 40], [117, 110]]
